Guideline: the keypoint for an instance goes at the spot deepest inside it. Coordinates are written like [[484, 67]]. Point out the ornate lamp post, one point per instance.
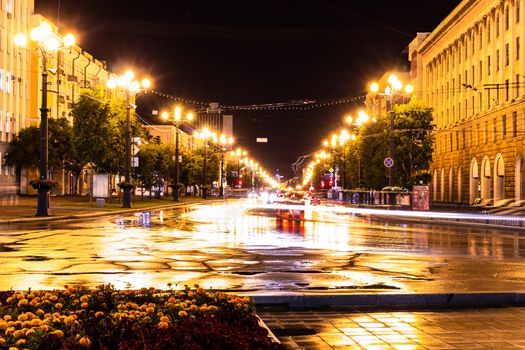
[[46, 43], [177, 121], [205, 135], [393, 91], [239, 153], [222, 141], [131, 87]]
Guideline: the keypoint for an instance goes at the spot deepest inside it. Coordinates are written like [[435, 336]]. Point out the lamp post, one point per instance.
[[205, 135], [177, 122], [393, 91], [46, 42], [223, 141], [131, 87]]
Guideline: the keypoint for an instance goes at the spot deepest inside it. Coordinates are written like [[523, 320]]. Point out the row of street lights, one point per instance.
[[393, 91]]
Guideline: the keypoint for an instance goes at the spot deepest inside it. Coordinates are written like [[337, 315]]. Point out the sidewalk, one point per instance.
[[494, 328], [16, 209]]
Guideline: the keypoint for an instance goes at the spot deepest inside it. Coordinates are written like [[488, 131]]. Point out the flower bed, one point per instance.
[[105, 318]]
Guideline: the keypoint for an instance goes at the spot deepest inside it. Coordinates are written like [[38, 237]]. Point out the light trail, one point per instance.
[[392, 213]]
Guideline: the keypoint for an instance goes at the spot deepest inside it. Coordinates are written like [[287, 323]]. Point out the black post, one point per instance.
[[205, 180], [126, 199], [175, 187], [222, 173], [239, 172], [392, 145], [43, 188]]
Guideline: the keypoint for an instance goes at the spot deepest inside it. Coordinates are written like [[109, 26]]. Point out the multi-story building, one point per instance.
[[14, 82], [471, 70], [70, 71]]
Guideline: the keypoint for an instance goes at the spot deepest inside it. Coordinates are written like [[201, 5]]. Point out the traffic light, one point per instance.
[[322, 184], [239, 183]]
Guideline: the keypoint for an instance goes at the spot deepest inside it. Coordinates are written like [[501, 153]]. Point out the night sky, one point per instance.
[[242, 52]]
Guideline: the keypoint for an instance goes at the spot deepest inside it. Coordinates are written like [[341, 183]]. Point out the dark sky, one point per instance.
[[242, 52]]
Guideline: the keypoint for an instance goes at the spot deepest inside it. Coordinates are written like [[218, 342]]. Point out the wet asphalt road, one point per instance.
[[232, 247]]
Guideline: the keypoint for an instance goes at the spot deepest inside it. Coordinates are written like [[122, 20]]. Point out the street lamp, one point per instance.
[[393, 91], [131, 87], [47, 43], [239, 153], [222, 141], [177, 121], [205, 135]]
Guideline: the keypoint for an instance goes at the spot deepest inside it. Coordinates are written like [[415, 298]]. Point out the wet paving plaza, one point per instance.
[[234, 246]]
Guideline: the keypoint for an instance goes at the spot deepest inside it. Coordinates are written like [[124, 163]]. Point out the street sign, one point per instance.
[[135, 162], [262, 139], [389, 162], [331, 170]]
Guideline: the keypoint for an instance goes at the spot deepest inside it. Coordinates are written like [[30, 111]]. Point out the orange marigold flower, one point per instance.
[[7, 317], [58, 333], [40, 312], [35, 322], [44, 327], [193, 308], [13, 348], [19, 333], [8, 300], [30, 332], [150, 310], [183, 314], [163, 325], [22, 302], [84, 305], [21, 342], [84, 341], [3, 342], [99, 314], [9, 330], [22, 317], [164, 319], [58, 306]]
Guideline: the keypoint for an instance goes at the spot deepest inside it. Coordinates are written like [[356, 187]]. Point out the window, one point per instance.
[[453, 86], [451, 142], [514, 123], [7, 123], [517, 86], [507, 18], [503, 126], [473, 106], [506, 89], [517, 9], [457, 140], [459, 110], [497, 60], [463, 139], [488, 65], [8, 82], [478, 131], [497, 26], [10, 8], [494, 129], [480, 39], [517, 48], [470, 137], [480, 70], [507, 55], [486, 131], [488, 32], [473, 75]]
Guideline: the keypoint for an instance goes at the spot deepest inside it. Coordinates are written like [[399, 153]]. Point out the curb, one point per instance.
[[93, 215], [439, 300]]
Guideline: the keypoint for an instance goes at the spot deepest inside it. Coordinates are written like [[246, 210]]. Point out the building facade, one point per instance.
[[471, 71], [15, 74]]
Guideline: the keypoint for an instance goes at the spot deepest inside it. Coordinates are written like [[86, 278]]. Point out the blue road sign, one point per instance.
[[389, 162]]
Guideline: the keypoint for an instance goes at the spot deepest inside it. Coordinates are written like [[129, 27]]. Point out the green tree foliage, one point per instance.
[[156, 165], [25, 148], [412, 155], [193, 163], [99, 131]]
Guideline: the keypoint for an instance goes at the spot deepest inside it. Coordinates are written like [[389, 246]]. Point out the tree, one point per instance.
[[412, 153], [99, 131], [414, 143], [25, 148]]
